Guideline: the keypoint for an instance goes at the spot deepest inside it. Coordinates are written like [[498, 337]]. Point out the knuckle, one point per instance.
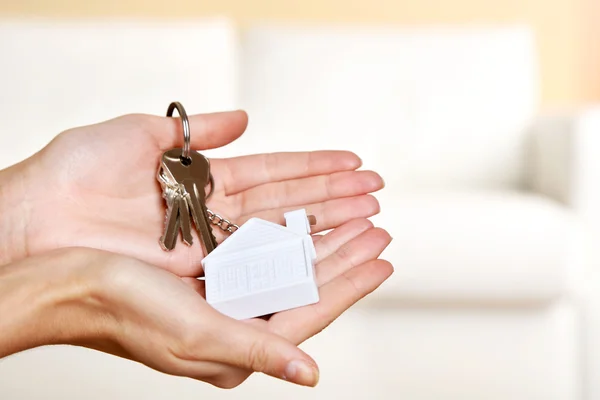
[[345, 252], [257, 356], [136, 122], [133, 118], [189, 345]]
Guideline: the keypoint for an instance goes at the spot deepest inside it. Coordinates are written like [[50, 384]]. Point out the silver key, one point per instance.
[[167, 240], [184, 219], [191, 177], [177, 216], [172, 223]]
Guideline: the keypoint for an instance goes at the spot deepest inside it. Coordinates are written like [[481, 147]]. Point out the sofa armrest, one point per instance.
[[565, 161]]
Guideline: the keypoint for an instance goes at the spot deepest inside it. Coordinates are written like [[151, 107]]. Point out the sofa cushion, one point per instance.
[[478, 246]]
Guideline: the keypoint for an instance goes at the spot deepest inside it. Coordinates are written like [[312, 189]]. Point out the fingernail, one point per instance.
[[302, 373]]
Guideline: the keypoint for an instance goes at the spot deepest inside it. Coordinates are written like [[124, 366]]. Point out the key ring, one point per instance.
[[186, 127], [185, 122]]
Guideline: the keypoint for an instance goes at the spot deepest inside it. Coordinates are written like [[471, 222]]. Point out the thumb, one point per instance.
[[207, 131], [245, 346]]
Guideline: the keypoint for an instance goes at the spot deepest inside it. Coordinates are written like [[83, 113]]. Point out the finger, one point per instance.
[[207, 131], [333, 240], [216, 373], [196, 284], [367, 246], [245, 346], [219, 374], [336, 297], [329, 214], [309, 190], [245, 172], [138, 242], [317, 238]]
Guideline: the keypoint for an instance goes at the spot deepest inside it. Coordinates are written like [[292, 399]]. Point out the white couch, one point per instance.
[[493, 207]]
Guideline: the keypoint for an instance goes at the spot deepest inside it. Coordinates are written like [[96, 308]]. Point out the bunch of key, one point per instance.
[[184, 175], [183, 180]]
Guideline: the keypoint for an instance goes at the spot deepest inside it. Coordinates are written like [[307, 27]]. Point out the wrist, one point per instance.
[[13, 214], [50, 299]]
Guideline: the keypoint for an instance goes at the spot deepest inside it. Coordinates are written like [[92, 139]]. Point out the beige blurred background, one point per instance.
[[567, 30], [494, 204]]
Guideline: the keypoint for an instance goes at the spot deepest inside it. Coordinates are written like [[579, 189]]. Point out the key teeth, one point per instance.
[[162, 244]]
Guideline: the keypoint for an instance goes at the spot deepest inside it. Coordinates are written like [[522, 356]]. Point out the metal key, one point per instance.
[[172, 223], [192, 175], [184, 220], [177, 216], [167, 240]]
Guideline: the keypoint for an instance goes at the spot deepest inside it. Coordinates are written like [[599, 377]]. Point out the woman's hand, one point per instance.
[[129, 308], [347, 270], [96, 186]]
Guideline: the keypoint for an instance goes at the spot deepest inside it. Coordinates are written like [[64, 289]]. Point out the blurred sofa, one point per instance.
[[491, 202]]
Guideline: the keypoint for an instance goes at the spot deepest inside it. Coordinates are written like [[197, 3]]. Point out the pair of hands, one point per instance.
[[83, 216]]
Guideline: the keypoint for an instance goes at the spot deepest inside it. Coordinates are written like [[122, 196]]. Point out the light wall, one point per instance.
[[567, 30]]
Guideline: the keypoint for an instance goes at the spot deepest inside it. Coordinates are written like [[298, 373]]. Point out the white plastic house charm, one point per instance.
[[263, 268]]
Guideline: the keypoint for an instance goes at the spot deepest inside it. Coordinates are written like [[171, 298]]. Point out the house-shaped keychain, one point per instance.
[[263, 268]]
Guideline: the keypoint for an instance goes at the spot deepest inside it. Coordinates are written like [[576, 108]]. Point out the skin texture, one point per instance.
[[79, 253], [95, 186], [126, 307]]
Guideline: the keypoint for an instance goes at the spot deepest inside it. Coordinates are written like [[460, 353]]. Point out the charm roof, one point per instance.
[[255, 232]]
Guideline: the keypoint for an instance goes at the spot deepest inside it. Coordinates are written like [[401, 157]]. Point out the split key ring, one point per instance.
[[185, 122], [186, 127]]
